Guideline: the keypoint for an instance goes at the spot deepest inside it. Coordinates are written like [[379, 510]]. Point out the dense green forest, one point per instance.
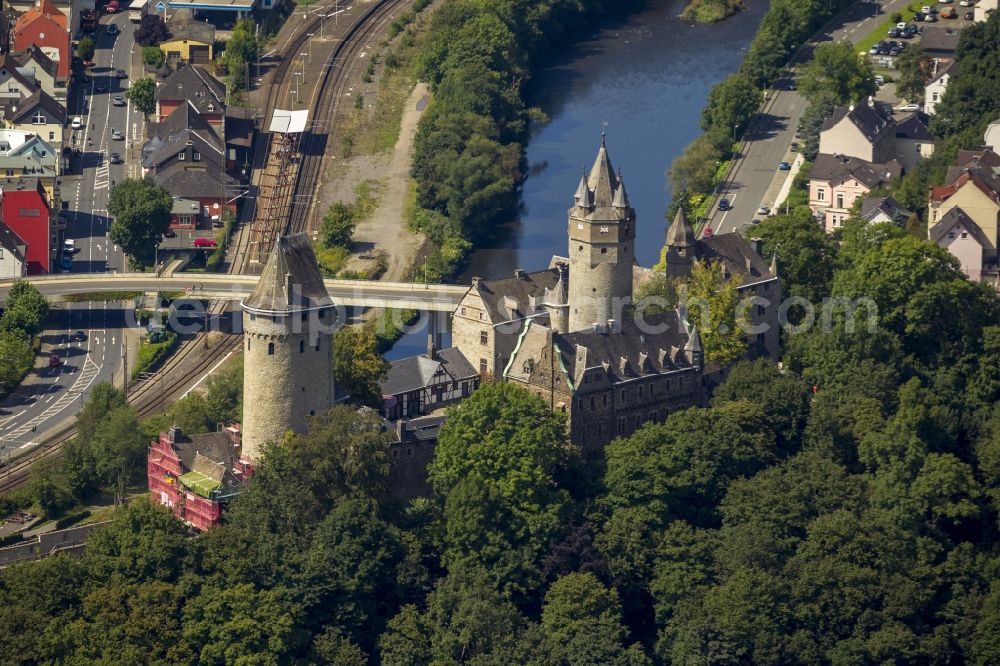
[[840, 510], [468, 152]]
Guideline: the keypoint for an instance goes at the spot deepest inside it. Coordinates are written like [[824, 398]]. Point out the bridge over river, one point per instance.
[[347, 293]]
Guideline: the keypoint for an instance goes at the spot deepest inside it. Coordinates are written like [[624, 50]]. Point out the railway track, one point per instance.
[[324, 104]]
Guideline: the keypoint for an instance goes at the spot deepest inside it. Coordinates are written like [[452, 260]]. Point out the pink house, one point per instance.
[[837, 181], [961, 236]]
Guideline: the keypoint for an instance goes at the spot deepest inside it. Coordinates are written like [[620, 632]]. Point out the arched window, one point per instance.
[[270, 349]]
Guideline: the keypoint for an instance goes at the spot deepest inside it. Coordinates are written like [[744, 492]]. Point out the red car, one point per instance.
[[111, 7], [204, 242], [54, 361]]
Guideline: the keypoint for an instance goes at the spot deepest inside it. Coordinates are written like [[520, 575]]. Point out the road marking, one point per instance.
[[88, 373], [14, 416]]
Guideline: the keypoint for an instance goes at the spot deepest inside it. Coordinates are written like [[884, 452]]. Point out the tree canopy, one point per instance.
[[141, 211]]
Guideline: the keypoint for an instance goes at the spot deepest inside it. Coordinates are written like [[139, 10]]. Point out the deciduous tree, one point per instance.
[[357, 366], [142, 94], [141, 211]]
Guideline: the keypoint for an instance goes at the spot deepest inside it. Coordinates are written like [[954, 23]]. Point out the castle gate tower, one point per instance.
[[288, 322], [601, 246]]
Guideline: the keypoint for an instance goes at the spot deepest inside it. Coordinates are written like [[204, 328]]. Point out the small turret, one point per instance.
[[583, 197], [681, 246], [621, 196], [556, 301], [692, 350]]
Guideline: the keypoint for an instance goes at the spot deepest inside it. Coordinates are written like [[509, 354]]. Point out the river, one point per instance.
[[647, 76]]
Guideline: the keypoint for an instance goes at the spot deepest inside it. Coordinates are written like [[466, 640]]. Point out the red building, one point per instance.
[[25, 209], [45, 26], [196, 474]]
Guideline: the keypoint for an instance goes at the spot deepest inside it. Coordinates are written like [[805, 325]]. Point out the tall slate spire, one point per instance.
[[602, 181]]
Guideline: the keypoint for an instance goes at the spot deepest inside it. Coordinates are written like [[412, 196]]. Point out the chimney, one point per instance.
[[400, 429], [758, 245], [599, 327], [174, 434], [519, 273], [613, 326], [288, 288]]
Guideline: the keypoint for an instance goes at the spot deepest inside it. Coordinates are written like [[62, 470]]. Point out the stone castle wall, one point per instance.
[[288, 377]]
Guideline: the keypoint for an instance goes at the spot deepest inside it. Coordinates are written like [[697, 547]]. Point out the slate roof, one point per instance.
[[872, 206], [967, 159], [957, 216], [291, 264], [239, 127], [986, 180], [192, 31], [607, 349], [417, 372], [950, 66], [939, 40], [915, 127], [35, 55], [12, 243], [680, 233], [601, 196], [8, 65], [17, 113], [735, 252], [517, 291], [216, 446], [838, 168], [870, 119], [194, 180], [195, 85]]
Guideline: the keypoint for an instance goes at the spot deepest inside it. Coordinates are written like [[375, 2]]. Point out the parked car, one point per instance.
[[918, 17], [969, 16], [875, 49], [879, 80], [121, 74], [111, 7], [69, 246], [755, 221], [77, 123], [909, 107], [966, 3], [784, 166], [116, 158], [894, 32], [204, 242], [170, 233], [706, 232], [54, 361], [724, 204], [118, 100], [926, 9], [763, 210], [794, 147], [931, 18]]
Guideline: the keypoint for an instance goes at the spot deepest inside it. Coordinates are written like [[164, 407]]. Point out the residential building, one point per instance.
[[190, 42], [914, 140], [27, 212], [13, 253], [47, 28], [196, 475], [976, 190], [26, 155], [72, 10], [983, 9], [195, 86], [418, 385], [884, 209], [991, 138], [34, 65], [39, 114], [937, 41], [961, 236], [984, 158], [837, 181], [14, 86], [942, 70], [864, 131]]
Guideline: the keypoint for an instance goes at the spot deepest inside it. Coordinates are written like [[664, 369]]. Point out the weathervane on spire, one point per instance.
[[604, 130]]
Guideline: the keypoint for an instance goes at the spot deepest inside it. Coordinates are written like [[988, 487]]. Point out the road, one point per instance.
[[756, 180], [87, 193], [54, 394], [347, 293]]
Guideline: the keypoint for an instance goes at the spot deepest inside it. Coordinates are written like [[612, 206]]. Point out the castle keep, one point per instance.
[[288, 323]]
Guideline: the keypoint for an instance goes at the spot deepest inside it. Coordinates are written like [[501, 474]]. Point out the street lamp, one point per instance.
[[310, 36]]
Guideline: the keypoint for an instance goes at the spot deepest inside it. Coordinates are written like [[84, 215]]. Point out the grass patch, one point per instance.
[[153, 354], [332, 260], [102, 296], [881, 31], [710, 11]]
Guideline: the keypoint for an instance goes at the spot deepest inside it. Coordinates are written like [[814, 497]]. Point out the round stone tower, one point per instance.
[[601, 246], [288, 322]]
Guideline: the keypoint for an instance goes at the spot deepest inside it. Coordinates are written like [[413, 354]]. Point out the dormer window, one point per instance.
[[211, 107], [196, 156], [39, 119], [180, 156]]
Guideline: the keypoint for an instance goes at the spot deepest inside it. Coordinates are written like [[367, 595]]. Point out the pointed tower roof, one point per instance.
[[621, 196], [694, 340], [602, 181], [291, 281], [559, 293], [583, 194], [680, 233]]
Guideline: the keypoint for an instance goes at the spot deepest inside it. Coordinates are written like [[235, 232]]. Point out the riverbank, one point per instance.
[[711, 11]]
